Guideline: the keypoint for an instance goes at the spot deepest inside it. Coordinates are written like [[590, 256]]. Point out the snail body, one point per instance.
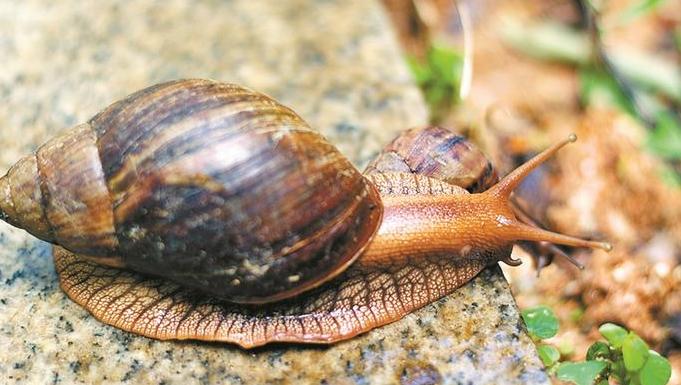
[[227, 199]]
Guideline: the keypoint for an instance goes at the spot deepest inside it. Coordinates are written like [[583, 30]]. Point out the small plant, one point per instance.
[[623, 356], [439, 76]]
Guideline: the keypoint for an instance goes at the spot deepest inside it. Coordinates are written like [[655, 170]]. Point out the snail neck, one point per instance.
[[459, 226], [454, 225]]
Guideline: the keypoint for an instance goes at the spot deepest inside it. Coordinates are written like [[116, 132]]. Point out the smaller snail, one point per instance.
[[440, 153], [201, 210]]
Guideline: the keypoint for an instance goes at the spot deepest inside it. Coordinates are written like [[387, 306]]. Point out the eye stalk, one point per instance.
[[510, 229], [506, 185]]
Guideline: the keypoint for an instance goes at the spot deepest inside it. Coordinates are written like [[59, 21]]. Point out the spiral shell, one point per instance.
[[211, 185], [439, 153]]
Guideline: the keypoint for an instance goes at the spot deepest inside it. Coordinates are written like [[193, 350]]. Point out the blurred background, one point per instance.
[[608, 70], [514, 76]]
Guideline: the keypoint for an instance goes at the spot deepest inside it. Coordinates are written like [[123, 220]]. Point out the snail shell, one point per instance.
[[212, 185], [438, 153]]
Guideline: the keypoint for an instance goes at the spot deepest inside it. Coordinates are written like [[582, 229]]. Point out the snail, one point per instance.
[[201, 210], [440, 153]]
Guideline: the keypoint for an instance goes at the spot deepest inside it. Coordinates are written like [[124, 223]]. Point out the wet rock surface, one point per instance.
[[338, 65]]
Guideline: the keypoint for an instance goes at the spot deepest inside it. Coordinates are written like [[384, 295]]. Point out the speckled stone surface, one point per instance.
[[337, 64]]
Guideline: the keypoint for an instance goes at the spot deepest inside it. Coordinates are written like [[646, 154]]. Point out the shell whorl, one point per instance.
[[59, 195], [211, 185], [21, 200], [439, 153]]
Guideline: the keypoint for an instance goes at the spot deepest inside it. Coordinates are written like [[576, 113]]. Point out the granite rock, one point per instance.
[[338, 65]]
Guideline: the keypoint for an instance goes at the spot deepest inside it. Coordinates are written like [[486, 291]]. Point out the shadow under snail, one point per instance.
[[201, 210]]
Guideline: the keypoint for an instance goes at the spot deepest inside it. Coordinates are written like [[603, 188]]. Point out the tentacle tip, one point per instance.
[[607, 246], [572, 137]]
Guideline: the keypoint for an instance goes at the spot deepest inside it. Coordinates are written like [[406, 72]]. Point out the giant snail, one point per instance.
[[195, 209]]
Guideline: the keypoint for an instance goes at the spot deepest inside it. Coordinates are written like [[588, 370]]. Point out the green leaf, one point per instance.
[[446, 64], [420, 71], [634, 352], [549, 355], [615, 334], [577, 314], [541, 322], [618, 371], [670, 176], [435, 95], [547, 40], [599, 350], [566, 348], [665, 139], [599, 88], [439, 77], [580, 373], [656, 370], [596, 5]]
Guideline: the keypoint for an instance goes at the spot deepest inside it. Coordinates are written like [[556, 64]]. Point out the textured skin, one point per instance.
[[425, 217], [355, 302], [209, 184], [377, 289]]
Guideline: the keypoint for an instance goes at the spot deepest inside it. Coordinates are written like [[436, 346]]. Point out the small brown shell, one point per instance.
[[211, 185], [439, 153]]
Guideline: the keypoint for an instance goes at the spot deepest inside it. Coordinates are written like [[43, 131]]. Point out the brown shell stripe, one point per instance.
[[439, 153], [76, 201], [227, 184]]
